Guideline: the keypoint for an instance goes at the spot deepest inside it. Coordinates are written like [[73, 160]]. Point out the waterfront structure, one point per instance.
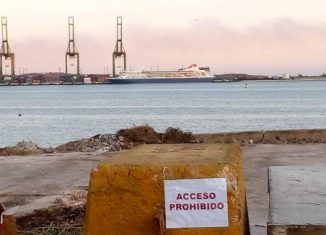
[[5, 51], [119, 50], [72, 52], [286, 76]]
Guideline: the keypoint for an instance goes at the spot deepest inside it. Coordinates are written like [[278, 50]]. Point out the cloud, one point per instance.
[[267, 48]]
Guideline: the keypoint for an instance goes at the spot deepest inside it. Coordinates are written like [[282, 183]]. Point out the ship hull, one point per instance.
[[160, 80]]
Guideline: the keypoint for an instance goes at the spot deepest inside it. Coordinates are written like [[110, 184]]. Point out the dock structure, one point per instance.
[[119, 50], [297, 201], [5, 51], [72, 52]]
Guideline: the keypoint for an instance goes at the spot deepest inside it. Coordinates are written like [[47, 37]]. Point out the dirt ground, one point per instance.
[[37, 180]]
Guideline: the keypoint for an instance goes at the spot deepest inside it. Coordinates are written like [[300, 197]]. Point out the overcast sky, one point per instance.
[[250, 36]]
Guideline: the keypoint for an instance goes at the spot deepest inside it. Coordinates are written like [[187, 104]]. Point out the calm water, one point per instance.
[[52, 115]]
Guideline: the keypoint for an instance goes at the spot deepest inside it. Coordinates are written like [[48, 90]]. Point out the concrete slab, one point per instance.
[[297, 197], [43, 178]]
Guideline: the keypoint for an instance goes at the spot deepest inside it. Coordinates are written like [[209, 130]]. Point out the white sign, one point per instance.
[[194, 203]]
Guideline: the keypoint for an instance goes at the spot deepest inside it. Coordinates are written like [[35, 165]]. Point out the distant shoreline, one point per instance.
[[221, 80], [52, 84]]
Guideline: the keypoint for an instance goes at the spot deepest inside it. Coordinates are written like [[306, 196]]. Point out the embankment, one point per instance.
[[267, 137]]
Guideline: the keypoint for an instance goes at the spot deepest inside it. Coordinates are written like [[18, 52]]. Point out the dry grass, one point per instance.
[[53, 221], [140, 134], [146, 134], [64, 217], [54, 230], [176, 136]]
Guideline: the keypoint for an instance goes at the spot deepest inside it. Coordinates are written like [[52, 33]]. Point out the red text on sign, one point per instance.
[[196, 206], [194, 196]]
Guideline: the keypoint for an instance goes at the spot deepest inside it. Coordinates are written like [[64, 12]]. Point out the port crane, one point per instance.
[[119, 50], [5, 51], [72, 52]]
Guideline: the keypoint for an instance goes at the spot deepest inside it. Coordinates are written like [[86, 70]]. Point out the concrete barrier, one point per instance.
[[126, 195]]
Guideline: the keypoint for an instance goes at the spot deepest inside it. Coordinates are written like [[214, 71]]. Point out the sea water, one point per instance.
[[52, 115]]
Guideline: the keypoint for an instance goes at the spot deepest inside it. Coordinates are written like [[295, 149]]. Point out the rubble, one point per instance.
[[23, 149], [127, 138], [102, 143], [99, 144]]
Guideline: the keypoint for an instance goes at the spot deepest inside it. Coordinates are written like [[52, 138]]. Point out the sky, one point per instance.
[[269, 37]]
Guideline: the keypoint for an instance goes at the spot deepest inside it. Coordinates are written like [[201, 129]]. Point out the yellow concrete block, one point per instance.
[[9, 225], [126, 195]]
